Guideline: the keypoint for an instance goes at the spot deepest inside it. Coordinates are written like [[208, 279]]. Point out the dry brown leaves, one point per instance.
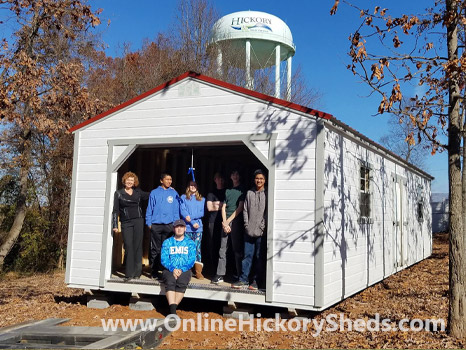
[[418, 292]]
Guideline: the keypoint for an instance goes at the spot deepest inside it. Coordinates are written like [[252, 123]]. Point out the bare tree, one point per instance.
[[193, 24], [399, 139], [424, 48]]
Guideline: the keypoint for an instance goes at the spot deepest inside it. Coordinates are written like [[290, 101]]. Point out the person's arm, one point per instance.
[[238, 211], [246, 212], [213, 205], [191, 259], [199, 213], [149, 210], [225, 225], [184, 209], [176, 207], [201, 209], [144, 195], [116, 211], [165, 257]]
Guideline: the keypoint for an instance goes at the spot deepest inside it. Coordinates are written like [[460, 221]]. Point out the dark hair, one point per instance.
[[259, 171], [219, 175], [164, 175], [234, 170]]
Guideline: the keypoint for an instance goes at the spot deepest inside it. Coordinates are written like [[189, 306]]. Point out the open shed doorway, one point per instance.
[[149, 161]]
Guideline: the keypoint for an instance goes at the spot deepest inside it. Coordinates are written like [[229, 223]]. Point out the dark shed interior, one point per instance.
[[148, 162]]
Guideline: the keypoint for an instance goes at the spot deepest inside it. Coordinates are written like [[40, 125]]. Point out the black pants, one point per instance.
[[133, 233], [158, 234], [176, 285], [212, 245]]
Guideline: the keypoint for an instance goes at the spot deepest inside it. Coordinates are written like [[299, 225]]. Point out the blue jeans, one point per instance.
[[252, 249]]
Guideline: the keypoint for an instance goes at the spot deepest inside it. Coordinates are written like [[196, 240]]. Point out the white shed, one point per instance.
[[343, 213]]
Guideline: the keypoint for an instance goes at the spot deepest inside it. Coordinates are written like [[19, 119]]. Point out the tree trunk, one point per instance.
[[25, 152], [457, 268], [20, 215], [61, 260]]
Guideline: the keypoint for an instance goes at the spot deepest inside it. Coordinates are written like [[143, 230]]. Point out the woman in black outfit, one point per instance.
[[127, 205]]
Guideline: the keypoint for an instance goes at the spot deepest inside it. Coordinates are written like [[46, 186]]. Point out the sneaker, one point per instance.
[[158, 277], [253, 286], [239, 285], [217, 279]]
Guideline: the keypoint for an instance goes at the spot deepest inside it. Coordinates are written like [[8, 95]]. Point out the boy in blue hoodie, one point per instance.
[[178, 257], [163, 209]]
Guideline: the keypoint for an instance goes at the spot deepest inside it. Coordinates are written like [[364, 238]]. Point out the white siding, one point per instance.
[[356, 254], [207, 111]]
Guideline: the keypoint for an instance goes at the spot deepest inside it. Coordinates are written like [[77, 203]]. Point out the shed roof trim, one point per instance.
[[201, 77]]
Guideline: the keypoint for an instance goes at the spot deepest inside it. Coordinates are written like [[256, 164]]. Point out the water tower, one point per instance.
[[259, 35]]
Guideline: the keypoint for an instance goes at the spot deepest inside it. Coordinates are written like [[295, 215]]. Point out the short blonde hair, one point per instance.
[[130, 174]]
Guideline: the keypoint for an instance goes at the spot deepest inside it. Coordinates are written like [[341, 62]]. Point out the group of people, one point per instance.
[[239, 217]]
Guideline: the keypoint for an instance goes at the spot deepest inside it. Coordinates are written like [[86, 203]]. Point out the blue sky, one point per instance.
[[321, 45]]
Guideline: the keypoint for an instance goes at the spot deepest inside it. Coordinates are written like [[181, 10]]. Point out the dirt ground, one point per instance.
[[420, 292]]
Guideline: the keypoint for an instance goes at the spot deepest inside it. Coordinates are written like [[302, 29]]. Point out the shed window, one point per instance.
[[420, 211], [365, 196]]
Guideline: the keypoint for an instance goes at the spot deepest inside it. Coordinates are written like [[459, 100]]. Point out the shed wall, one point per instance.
[[358, 254], [193, 108]]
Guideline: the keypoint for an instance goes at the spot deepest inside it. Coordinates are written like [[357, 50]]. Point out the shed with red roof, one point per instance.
[[343, 212]]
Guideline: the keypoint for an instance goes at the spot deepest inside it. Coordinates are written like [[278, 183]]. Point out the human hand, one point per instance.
[[196, 225], [115, 230], [176, 273], [188, 218], [226, 228]]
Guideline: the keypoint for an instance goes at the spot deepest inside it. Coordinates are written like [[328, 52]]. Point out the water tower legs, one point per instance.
[[249, 81], [288, 79], [219, 62], [277, 71]]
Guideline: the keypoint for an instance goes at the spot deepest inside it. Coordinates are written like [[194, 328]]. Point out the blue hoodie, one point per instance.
[[163, 207], [195, 210], [178, 254]]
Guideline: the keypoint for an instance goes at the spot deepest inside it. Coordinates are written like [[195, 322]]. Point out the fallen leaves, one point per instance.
[[420, 291]]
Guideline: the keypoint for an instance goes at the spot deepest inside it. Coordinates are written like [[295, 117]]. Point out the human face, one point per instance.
[[220, 182], [192, 188], [129, 182], [179, 231], [166, 182], [259, 180], [235, 178]]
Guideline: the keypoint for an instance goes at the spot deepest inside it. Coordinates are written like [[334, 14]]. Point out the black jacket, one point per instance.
[[126, 206]]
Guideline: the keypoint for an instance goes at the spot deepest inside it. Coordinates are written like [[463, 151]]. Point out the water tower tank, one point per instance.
[[264, 38]]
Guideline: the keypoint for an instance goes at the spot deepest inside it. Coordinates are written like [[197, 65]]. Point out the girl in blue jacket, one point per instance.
[[192, 211]]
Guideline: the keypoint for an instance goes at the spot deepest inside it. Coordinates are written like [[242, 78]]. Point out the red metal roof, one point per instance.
[[197, 76]]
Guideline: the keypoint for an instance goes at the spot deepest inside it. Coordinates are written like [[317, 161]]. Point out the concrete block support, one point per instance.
[[140, 303], [97, 300]]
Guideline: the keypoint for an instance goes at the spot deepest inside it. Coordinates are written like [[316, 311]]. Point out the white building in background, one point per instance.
[[343, 212], [440, 212]]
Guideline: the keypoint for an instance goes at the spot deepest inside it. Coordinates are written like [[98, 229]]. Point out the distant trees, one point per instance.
[[184, 48], [53, 75]]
